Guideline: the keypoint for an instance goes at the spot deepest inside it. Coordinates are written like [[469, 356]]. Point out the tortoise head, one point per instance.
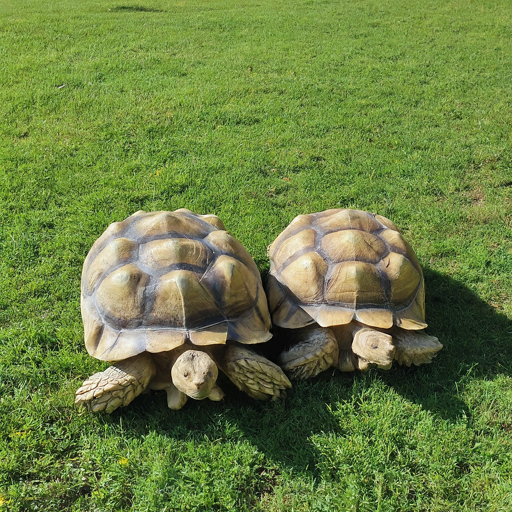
[[194, 373]]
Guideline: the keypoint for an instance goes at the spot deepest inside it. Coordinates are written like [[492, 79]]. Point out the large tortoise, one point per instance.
[[170, 297], [349, 291]]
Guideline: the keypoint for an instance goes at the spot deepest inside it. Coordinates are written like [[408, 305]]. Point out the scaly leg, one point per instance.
[[254, 374], [216, 394], [314, 350], [175, 398], [118, 385], [415, 347]]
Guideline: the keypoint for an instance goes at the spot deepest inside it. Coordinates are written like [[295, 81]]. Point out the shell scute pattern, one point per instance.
[[303, 241], [121, 296], [403, 277], [353, 245], [341, 265], [117, 252], [180, 300], [348, 219], [224, 243], [354, 283], [233, 284], [306, 276], [157, 279], [161, 224], [167, 252]]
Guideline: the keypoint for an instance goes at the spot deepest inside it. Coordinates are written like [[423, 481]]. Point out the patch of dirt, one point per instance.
[[476, 196]]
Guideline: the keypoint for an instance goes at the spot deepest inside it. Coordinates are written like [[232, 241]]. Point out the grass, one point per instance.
[[258, 112]]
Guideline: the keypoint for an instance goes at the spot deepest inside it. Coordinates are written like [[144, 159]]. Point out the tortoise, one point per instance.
[[170, 298], [348, 291]]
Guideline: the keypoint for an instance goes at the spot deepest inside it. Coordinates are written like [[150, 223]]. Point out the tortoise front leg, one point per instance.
[[253, 374], [347, 360], [216, 394], [314, 350], [176, 399], [414, 347], [118, 385]]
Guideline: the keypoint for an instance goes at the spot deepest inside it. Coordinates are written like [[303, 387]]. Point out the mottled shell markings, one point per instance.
[[354, 283], [306, 277], [157, 279], [120, 295], [353, 245], [341, 265], [174, 251], [236, 285], [181, 301]]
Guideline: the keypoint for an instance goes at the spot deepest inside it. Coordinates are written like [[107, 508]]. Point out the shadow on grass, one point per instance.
[[477, 341], [133, 8]]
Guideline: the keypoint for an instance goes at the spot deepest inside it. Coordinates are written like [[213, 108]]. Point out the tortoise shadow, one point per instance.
[[477, 340]]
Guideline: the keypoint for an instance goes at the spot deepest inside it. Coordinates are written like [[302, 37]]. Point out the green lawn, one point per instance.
[[257, 112]]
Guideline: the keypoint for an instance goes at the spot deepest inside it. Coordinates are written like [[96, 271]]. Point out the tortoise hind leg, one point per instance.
[[118, 385]]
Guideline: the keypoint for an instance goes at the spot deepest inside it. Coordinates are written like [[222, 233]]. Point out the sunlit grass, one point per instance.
[[258, 112]]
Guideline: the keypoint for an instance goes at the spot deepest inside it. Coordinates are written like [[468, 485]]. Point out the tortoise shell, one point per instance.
[[155, 280], [342, 265]]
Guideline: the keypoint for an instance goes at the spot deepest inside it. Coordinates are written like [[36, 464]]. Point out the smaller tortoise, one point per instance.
[[169, 298], [349, 291]]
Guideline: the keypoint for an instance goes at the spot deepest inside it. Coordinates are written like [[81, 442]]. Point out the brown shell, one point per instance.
[[155, 280], [341, 265]]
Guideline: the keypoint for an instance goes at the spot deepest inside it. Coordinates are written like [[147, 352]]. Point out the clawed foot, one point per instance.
[[254, 374], [314, 353], [376, 348], [108, 390], [355, 347], [117, 386]]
